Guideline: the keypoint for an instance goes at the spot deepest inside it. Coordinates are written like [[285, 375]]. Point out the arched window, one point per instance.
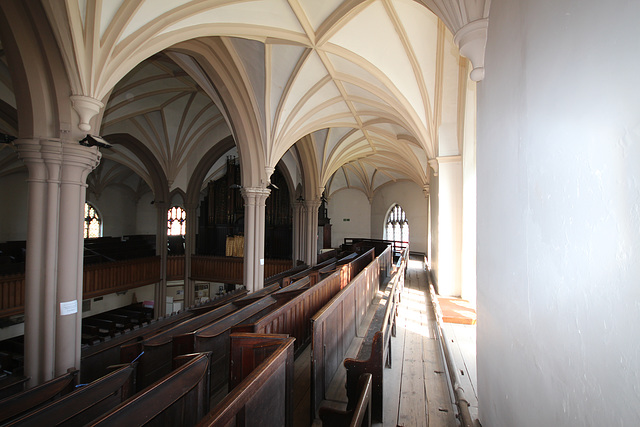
[[176, 221], [397, 227], [92, 222]]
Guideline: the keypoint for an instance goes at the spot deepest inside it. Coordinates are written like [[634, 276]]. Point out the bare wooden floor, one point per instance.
[[416, 390]]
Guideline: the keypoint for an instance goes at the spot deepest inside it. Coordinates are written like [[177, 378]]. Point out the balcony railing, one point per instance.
[[110, 277]]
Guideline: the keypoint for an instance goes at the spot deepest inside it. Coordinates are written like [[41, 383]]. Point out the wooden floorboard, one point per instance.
[[416, 392]]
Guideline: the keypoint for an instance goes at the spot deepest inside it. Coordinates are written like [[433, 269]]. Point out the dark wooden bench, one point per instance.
[[214, 338], [261, 386], [375, 351], [335, 326], [156, 352], [359, 416], [294, 316], [28, 400], [85, 403], [277, 278], [181, 398], [96, 358]]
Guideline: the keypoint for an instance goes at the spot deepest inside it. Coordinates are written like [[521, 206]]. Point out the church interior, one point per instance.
[[166, 160]]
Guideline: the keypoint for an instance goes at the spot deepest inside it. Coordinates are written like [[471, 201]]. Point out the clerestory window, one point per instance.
[[92, 222], [176, 224], [397, 227]]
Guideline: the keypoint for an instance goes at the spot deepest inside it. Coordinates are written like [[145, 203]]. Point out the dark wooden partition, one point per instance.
[[293, 317], [85, 403], [264, 396], [181, 398], [215, 338], [28, 400], [335, 325]]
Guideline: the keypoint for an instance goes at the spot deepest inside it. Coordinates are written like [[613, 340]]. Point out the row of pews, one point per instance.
[[229, 363]]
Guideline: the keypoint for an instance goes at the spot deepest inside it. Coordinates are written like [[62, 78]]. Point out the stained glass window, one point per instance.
[[397, 226], [176, 224], [92, 222]]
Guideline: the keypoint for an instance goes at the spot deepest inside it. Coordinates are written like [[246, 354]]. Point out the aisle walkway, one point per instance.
[[418, 394]]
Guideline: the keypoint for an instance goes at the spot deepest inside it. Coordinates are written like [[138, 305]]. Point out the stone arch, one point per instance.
[[159, 183]]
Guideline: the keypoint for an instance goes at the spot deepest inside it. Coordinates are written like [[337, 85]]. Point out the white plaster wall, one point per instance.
[[113, 301], [558, 160], [434, 208], [146, 216], [353, 205], [118, 210], [469, 219], [13, 206], [412, 200]]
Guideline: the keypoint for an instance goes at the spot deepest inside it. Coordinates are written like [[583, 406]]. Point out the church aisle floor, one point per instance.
[[416, 390]]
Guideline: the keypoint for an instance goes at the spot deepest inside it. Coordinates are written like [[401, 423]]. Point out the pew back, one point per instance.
[[258, 399]]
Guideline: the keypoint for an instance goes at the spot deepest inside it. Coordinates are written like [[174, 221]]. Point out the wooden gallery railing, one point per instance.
[[105, 278]]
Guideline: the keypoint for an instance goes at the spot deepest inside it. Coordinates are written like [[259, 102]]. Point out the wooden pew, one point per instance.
[[359, 416], [85, 403], [181, 398], [157, 351], [311, 272], [214, 338], [28, 400], [96, 358], [277, 278], [257, 295], [262, 385], [294, 316], [336, 324], [375, 351]]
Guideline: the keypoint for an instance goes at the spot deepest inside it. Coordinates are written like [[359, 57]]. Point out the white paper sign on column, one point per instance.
[[261, 261], [69, 307]]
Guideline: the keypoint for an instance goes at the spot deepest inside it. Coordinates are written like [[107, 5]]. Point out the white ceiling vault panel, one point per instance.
[[380, 83], [372, 34]]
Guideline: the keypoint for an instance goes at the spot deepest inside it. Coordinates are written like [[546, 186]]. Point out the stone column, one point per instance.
[[450, 225], [54, 258], [254, 227], [78, 162], [311, 231], [189, 249], [160, 292], [298, 234]]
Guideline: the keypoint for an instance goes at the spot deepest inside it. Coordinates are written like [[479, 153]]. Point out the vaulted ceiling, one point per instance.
[[377, 87]]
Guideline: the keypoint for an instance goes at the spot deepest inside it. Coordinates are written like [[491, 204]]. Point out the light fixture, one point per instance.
[[271, 184], [94, 141], [6, 139]]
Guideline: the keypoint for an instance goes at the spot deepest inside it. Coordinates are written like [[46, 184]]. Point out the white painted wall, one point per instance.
[[434, 208], [117, 209], [146, 215], [353, 205], [113, 301], [414, 203], [13, 206], [558, 161]]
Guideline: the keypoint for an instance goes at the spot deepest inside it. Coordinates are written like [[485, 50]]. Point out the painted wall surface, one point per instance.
[[146, 216], [450, 226], [113, 301], [13, 207], [414, 203], [353, 205], [558, 160], [118, 210], [434, 208]]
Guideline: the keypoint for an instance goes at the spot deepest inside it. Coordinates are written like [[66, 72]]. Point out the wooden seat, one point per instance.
[[359, 416]]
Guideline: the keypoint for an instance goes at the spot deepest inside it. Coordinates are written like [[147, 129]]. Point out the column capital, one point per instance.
[[63, 160], [255, 195], [312, 204], [87, 108]]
